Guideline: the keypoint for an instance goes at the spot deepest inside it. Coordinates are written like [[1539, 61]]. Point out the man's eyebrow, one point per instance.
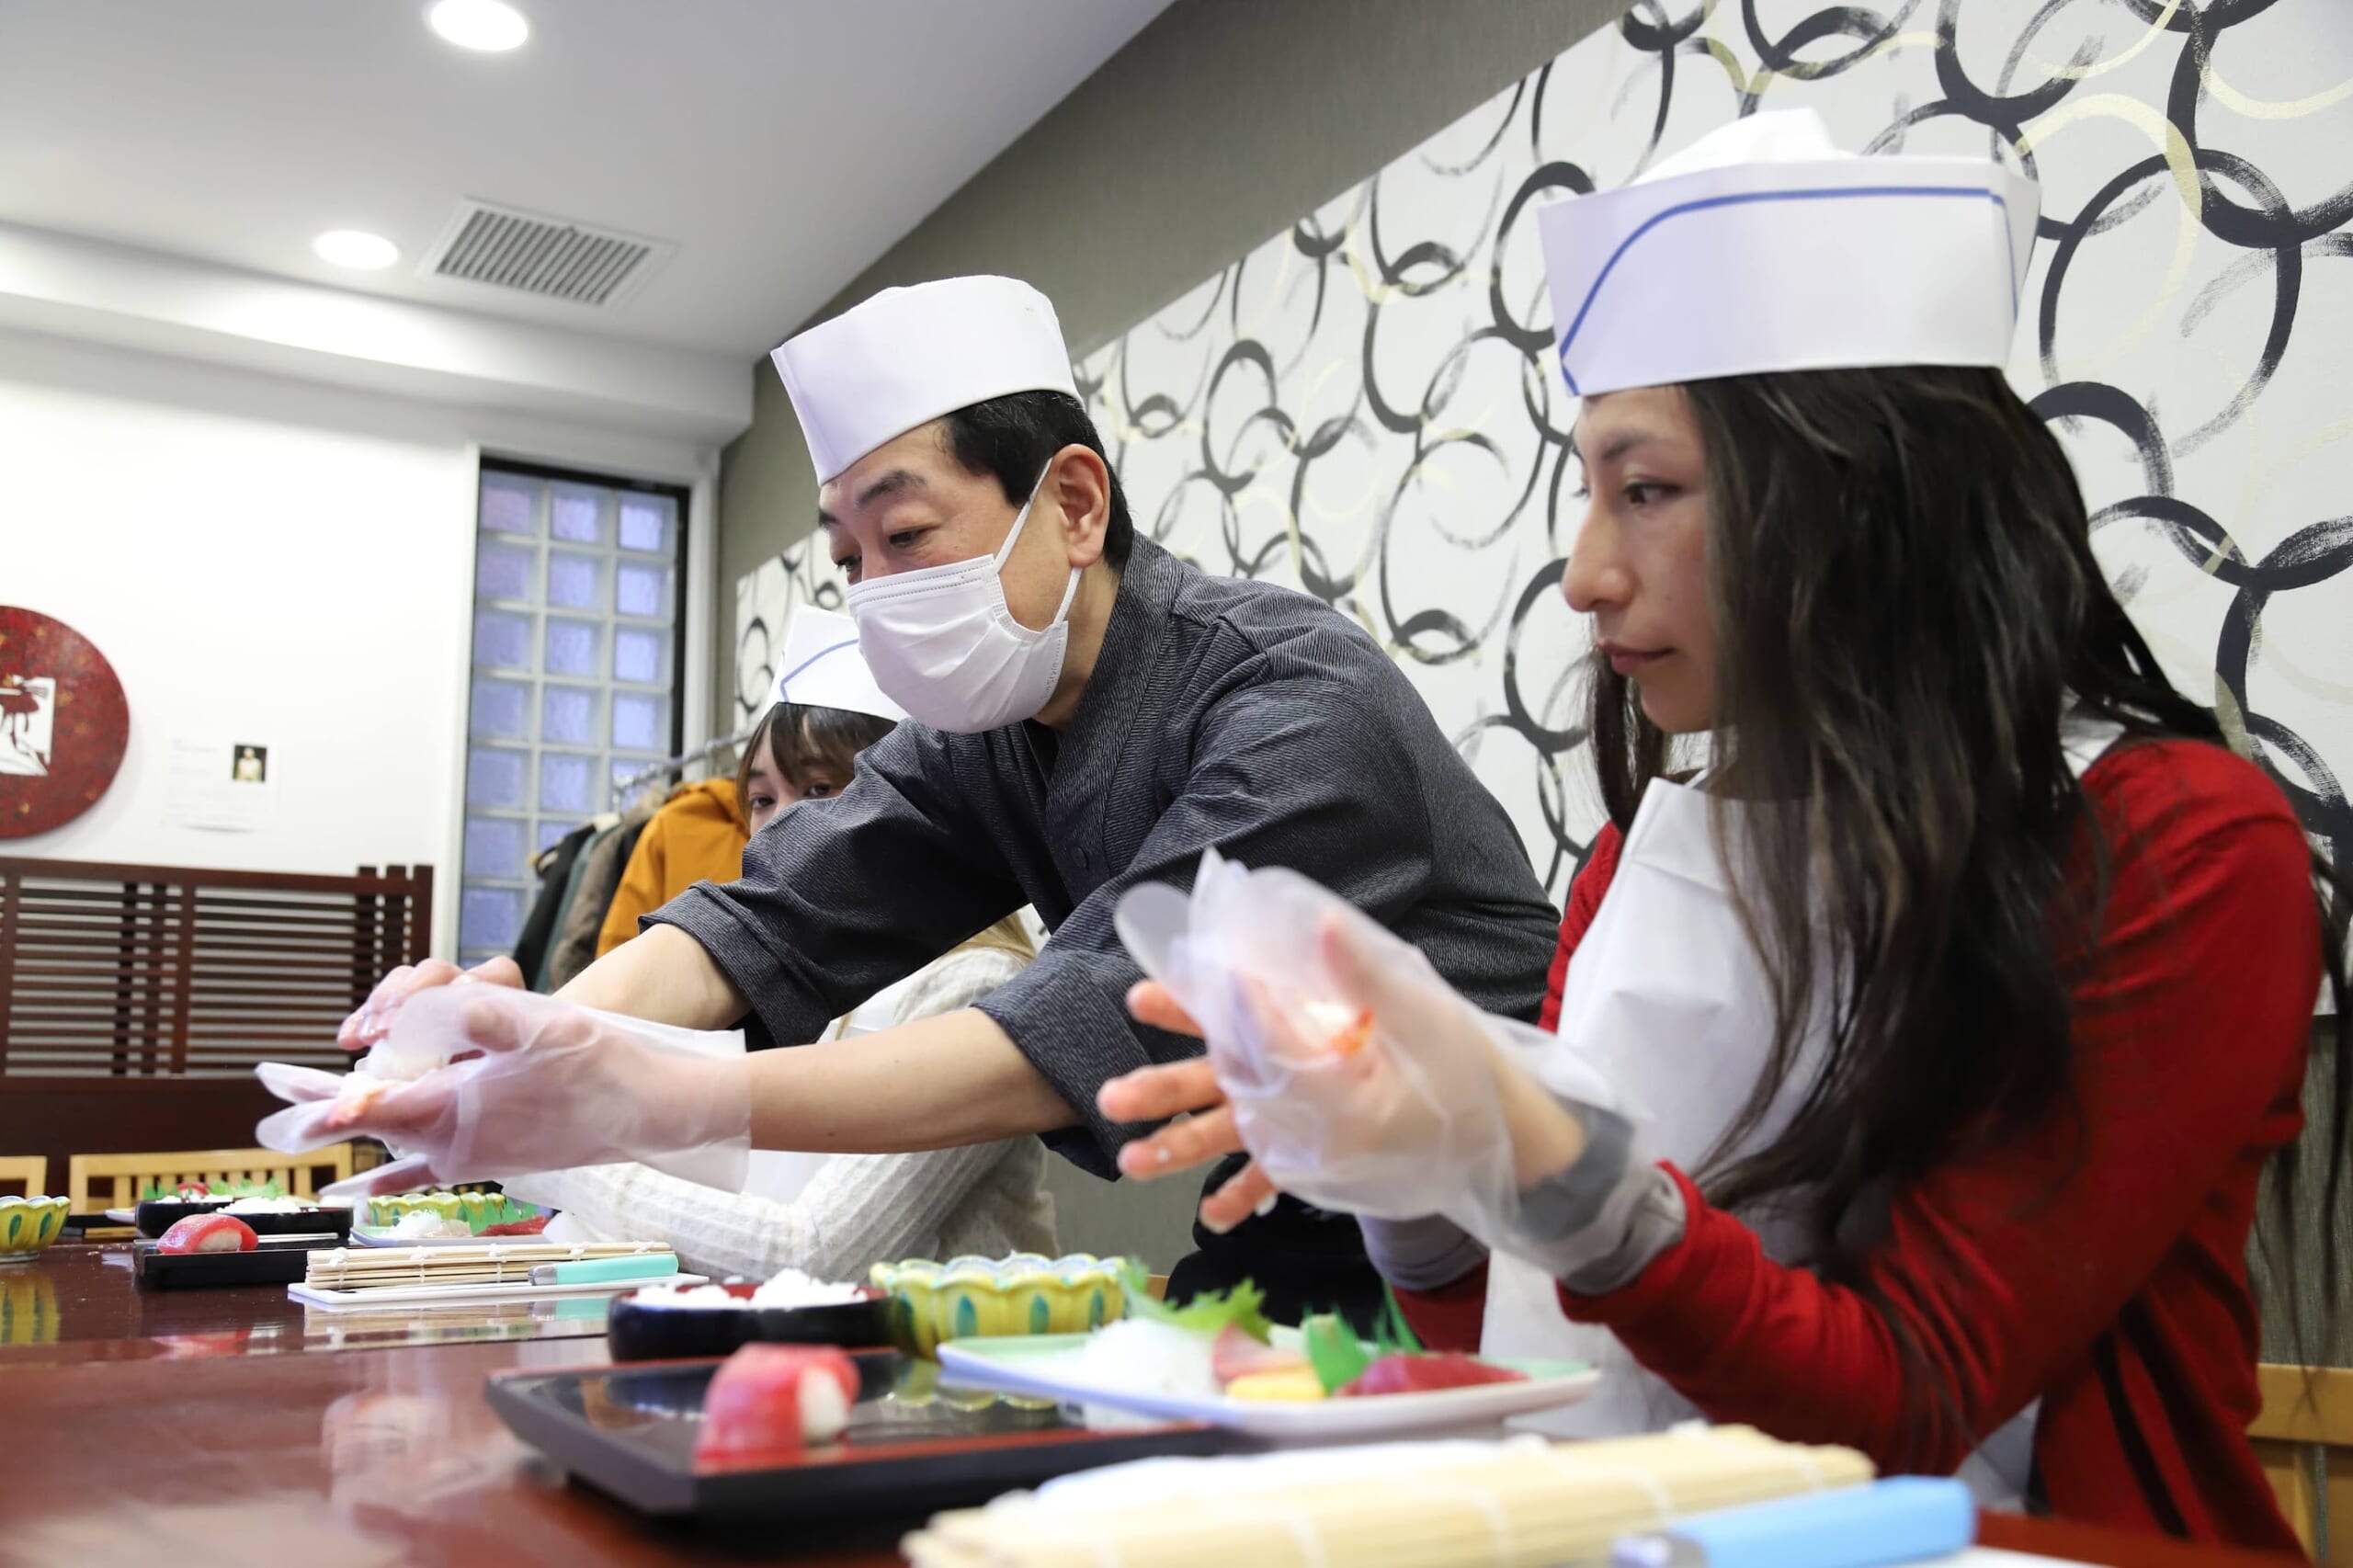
[[891, 483], [897, 480]]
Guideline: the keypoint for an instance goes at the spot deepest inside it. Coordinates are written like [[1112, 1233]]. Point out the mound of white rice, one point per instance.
[[789, 1288]]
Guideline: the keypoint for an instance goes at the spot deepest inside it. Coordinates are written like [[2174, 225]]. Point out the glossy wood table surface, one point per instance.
[[367, 1458], [220, 1427], [78, 1302]]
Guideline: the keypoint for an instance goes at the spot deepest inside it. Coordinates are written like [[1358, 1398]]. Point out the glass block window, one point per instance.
[[575, 674]]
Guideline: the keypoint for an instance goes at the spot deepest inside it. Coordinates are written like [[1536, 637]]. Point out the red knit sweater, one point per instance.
[[2096, 1261]]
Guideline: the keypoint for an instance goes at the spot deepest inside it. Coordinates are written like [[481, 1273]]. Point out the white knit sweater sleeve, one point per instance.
[[857, 1210]]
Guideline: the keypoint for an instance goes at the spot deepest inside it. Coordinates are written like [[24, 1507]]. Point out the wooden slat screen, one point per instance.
[[111, 971]]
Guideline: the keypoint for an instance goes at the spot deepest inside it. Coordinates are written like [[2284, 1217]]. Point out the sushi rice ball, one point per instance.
[[423, 1225]]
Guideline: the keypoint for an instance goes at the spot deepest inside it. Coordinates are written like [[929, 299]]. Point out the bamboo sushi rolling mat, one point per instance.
[[491, 1263], [1529, 1504]]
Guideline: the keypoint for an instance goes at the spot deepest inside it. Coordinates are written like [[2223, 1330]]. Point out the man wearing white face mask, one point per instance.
[[1091, 712]]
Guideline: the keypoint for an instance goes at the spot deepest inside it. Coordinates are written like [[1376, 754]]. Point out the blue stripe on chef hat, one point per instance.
[[784, 682]]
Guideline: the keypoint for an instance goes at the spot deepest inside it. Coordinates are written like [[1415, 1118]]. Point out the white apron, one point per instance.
[[1668, 996]]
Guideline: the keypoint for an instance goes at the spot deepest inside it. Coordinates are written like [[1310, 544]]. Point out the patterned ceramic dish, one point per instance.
[[29, 1225], [969, 1298], [476, 1208]]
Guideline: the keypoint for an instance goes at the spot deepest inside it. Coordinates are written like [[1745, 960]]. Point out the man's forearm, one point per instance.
[[661, 975], [938, 1083], [935, 1084]]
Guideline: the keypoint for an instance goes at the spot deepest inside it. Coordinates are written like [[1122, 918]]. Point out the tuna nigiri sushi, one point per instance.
[[209, 1232], [776, 1396]]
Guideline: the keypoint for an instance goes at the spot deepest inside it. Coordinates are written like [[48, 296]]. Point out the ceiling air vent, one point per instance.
[[552, 257]]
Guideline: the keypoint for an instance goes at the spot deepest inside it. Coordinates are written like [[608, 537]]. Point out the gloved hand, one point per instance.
[[372, 1020], [1356, 1076], [529, 1084]]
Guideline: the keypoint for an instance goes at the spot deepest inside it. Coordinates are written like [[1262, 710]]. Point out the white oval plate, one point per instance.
[[1047, 1366]]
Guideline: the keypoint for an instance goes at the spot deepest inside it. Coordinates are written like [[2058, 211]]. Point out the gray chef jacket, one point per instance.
[[1220, 713]]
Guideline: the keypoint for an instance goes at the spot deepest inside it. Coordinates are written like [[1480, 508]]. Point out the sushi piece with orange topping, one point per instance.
[[1344, 1032]]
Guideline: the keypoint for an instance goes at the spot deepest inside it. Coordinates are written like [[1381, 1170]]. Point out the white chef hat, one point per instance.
[[823, 668], [908, 356], [1763, 247]]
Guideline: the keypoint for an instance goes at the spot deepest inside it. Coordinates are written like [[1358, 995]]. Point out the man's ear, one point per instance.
[[1078, 483]]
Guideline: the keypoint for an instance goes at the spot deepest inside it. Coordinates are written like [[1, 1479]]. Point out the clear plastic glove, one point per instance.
[[372, 1019], [517, 1083], [1356, 1076]]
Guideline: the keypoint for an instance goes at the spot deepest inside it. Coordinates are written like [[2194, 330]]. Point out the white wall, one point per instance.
[[266, 560]]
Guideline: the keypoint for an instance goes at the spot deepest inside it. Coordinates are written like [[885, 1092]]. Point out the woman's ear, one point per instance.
[[1078, 483]]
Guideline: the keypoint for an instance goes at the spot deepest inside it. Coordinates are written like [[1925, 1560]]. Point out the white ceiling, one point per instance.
[[783, 144]]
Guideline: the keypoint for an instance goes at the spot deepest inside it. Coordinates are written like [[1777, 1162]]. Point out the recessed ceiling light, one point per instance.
[[491, 26], [355, 247]]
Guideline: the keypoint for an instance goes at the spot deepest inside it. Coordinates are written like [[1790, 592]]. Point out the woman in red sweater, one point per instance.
[[1965, 1036]]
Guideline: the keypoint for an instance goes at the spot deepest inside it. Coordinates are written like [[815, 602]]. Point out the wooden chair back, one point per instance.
[[97, 1182], [135, 1000], [30, 1172], [2303, 1436]]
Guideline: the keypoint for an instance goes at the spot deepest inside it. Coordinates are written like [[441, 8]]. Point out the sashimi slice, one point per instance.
[[530, 1227], [1237, 1355], [1409, 1372]]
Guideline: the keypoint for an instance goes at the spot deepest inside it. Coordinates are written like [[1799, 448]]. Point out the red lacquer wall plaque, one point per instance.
[[64, 724]]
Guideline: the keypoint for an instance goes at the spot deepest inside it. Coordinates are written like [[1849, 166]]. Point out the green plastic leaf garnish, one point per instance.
[[1394, 1336], [1334, 1350], [1209, 1313]]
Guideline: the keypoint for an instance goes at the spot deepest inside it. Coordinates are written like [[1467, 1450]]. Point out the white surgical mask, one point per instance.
[[943, 644]]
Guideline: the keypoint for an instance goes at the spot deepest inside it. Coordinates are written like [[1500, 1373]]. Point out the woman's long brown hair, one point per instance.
[[1906, 604]]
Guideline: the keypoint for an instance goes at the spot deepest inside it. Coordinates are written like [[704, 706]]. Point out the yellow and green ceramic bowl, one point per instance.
[[29, 1225], [969, 1298]]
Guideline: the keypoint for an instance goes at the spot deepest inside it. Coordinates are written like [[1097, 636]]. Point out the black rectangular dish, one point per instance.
[[641, 1331], [911, 1447], [279, 1260], [157, 1215]]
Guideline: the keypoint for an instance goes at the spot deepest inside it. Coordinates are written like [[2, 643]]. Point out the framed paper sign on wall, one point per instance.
[[64, 724]]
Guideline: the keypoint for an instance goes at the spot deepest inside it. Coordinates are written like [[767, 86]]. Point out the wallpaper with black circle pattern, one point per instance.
[[1364, 407]]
